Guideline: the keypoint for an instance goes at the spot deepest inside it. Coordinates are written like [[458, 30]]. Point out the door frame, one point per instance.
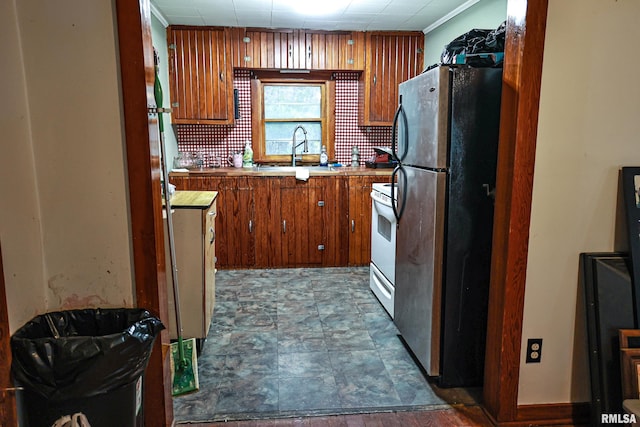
[[518, 131], [522, 75], [142, 141]]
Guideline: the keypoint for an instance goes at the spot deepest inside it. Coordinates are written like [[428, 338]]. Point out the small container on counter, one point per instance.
[[355, 156]]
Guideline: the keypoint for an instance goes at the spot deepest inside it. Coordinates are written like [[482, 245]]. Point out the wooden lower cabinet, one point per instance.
[[302, 223], [237, 221], [194, 229], [277, 222], [359, 227]]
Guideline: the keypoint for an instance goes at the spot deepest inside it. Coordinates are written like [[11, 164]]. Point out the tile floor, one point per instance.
[[296, 342]]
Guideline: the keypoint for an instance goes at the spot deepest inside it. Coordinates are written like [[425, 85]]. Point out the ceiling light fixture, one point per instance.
[[316, 8]]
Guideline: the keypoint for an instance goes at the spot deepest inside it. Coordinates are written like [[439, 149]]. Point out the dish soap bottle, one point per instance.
[[247, 159], [324, 158]]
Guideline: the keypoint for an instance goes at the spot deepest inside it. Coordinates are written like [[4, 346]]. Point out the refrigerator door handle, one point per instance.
[[395, 146], [398, 212], [491, 190]]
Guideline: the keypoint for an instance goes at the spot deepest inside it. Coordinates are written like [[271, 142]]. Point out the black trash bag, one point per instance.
[[474, 42], [82, 353]]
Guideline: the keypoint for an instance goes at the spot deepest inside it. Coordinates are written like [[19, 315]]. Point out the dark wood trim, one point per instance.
[[524, 47], [555, 414], [8, 412], [143, 166], [574, 414]]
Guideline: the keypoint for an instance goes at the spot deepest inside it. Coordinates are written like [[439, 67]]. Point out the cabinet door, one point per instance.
[[286, 49], [236, 232], [200, 76], [329, 51], [246, 48], [391, 58], [297, 49], [302, 222], [359, 230], [268, 222], [351, 49]]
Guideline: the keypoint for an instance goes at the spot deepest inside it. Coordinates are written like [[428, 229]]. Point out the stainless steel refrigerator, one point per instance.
[[447, 136]]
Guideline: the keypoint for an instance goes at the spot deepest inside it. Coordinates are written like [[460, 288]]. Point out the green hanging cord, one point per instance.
[[157, 88]]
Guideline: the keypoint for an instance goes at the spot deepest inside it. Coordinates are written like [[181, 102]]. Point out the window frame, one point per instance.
[[327, 119]]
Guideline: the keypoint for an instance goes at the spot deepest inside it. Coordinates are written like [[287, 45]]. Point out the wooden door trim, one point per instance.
[[143, 168], [524, 46], [521, 92], [8, 412]]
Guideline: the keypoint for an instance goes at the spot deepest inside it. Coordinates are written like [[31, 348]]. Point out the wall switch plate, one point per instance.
[[534, 350]]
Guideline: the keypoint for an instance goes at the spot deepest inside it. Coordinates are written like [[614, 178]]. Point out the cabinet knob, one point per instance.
[[250, 226], [212, 235], [353, 225], [284, 226]]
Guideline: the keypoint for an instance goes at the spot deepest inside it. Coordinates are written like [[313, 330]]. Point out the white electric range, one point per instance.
[[383, 245]]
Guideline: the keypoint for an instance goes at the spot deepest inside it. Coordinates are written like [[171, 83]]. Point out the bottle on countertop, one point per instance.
[[247, 159], [324, 157]]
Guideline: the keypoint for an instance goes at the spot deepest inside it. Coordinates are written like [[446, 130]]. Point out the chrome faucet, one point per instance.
[[293, 144]]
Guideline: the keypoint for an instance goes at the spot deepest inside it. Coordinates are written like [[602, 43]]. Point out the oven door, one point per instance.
[[383, 237]]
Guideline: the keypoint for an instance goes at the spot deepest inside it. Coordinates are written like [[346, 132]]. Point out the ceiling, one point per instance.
[[362, 15]]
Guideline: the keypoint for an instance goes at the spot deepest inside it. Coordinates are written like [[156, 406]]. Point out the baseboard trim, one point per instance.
[[565, 414]]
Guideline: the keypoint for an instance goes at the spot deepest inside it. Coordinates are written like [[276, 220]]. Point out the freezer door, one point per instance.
[[419, 253], [425, 100]]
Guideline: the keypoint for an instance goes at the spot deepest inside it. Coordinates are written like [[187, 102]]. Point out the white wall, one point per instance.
[[20, 221], [588, 128], [65, 228], [486, 14]]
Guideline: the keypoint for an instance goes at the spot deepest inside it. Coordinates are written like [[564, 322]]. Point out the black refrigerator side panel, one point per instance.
[[475, 117]]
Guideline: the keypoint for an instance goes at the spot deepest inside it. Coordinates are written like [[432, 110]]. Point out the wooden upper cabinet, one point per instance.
[[337, 51], [200, 75], [391, 58], [297, 49], [270, 49]]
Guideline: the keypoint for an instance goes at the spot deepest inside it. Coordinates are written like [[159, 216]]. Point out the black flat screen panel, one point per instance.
[[609, 307]]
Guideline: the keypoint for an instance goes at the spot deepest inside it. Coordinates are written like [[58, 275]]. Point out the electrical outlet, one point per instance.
[[534, 350]]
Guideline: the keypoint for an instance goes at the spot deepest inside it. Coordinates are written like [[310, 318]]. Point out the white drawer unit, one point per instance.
[[193, 215]]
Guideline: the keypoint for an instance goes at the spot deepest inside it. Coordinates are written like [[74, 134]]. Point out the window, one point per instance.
[[279, 107]]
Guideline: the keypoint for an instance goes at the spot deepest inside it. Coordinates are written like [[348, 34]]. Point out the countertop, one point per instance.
[[193, 199], [268, 171]]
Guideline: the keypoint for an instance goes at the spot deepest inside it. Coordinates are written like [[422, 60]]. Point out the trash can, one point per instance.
[[88, 361]]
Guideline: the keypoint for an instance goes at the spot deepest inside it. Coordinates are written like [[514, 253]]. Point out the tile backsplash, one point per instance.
[[220, 140]]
